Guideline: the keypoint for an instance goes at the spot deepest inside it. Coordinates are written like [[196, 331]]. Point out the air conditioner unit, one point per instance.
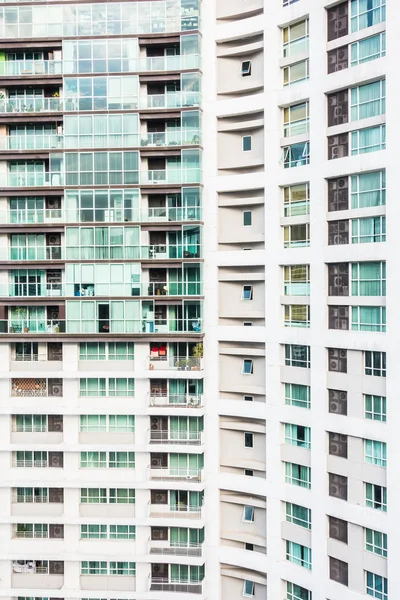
[[56, 567], [156, 462], [160, 498], [333, 365], [344, 311], [156, 568], [55, 389], [154, 427], [56, 460], [54, 240], [56, 495], [343, 353], [53, 203], [342, 182], [334, 407], [57, 531]]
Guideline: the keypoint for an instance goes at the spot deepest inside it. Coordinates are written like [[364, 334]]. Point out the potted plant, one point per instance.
[[182, 365], [197, 354]]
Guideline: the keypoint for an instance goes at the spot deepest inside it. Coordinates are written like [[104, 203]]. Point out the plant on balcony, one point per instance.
[[144, 142], [198, 350], [195, 139], [56, 94], [183, 364], [22, 313]]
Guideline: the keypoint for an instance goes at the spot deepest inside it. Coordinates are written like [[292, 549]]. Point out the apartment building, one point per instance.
[[177, 175]]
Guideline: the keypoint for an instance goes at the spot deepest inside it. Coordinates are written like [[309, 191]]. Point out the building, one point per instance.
[[173, 174]]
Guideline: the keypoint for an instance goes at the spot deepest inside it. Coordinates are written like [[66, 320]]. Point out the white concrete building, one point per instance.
[[174, 174]]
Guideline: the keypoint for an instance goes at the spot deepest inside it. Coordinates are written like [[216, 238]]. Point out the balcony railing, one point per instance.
[[170, 100], [175, 511], [31, 105], [31, 67], [31, 429], [30, 499], [174, 137], [31, 535], [29, 357], [162, 584], [193, 438], [32, 290], [30, 463], [172, 176], [41, 179], [175, 474], [33, 253], [176, 400], [174, 549], [31, 142], [116, 326], [175, 363], [58, 215]]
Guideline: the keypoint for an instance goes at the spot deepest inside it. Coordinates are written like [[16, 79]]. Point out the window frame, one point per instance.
[[370, 501], [377, 544], [248, 514], [248, 439], [376, 409], [247, 215], [296, 520], [245, 593], [247, 140], [287, 73], [245, 68], [251, 365], [247, 290], [371, 454]]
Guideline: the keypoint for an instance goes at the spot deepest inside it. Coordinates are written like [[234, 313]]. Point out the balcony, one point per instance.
[[162, 584], [32, 326], [39, 179], [171, 176], [36, 387], [170, 100], [173, 137], [165, 548], [165, 399], [175, 363], [176, 474], [37, 504], [39, 574], [184, 437], [33, 253], [31, 105], [178, 511], [31, 142], [32, 290], [31, 67]]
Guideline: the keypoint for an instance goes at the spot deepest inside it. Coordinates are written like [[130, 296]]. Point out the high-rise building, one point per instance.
[[177, 175]]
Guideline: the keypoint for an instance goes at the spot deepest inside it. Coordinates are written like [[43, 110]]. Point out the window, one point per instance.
[[376, 542], [29, 530], [297, 356], [121, 423], [368, 100], [287, 2], [338, 571], [248, 440], [375, 407], [298, 475], [106, 351], [122, 532], [297, 315], [296, 155], [248, 514], [93, 460], [375, 497], [299, 515], [123, 568], [368, 49], [296, 236], [121, 460], [295, 38], [297, 280], [248, 546], [245, 69], [296, 592], [297, 395], [375, 363], [295, 73], [298, 554], [247, 218], [248, 588], [106, 387], [375, 453], [91, 423], [247, 323], [296, 119], [246, 143], [121, 496], [365, 13], [368, 279], [370, 139], [247, 292], [249, 473], [248, 398], [247, 367], [28, 494], [93, 567], [93, 495], [338, 444], [368, 318], [368, 230], [368, 189], [93, 532], [298, 435], [376, 586], [338, 486], [338, 529], [296, 200]]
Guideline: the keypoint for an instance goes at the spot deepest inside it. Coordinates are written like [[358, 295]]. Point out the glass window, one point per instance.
[[376, 586], [93, 460], [123, 568], [296, 592], [299, 515], [298, 554], [298, 475], [368, 49], [295, 73], [370, 139], [107, 387], [297, 315], [375, 453], [248, 513], [368, 189], [246, 143], [368, 279], [298, 435], [122, 496], [376, 542], [296, 155], [93, 495], [365, 13], [375, 407], [121, 423], [368, 230], [296, 200], [122, 532], [295, 38], [296, 119], [368, 100], [297, 280], [247, 367], [94, 423], [297, 395], [93, 532], [93, 567], [296, 236], [245, 68], [121, 460], [375, 497], [247, 218], [248, 440], [368, 318], [248, 588], [247, 292], [297, 356]]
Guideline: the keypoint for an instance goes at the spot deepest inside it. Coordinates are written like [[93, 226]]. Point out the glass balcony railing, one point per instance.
[[175, 363], [175, 473], [114, 326], [31, 105], [31, 142], [167, 436], [124, 215], [174, 137], [31, 67], [32, 253], [31, 179], [179, 62], [170, 100], [171, 176], [40, 290], [169, 251], [176, 400]]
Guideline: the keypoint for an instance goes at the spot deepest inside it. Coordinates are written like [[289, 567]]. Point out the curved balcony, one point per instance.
[[165, 548], [168, 436], [176, 401], [163, 584]]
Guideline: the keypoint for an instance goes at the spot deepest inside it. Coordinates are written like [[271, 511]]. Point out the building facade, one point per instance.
[[176, 176]]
